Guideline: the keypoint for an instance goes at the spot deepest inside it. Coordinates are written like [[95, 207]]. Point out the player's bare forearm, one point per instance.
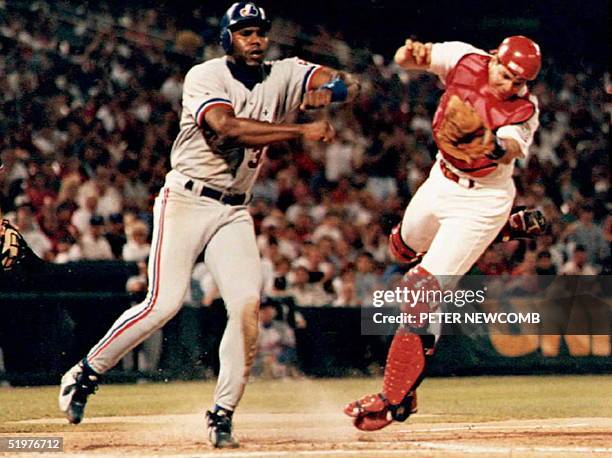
[[251, 133], [414, 55], [234, 131], [248, 132], [319, 131]]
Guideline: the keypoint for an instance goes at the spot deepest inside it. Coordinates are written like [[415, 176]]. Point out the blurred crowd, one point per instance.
[[90, 108]]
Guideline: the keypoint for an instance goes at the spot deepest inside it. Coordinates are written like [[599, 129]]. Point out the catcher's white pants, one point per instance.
[[455, 224], [184, 225]]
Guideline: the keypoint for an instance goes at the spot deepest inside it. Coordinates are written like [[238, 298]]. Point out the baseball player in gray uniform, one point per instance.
[[233, 108]]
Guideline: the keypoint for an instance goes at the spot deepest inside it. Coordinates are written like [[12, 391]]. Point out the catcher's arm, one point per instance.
[[513, 141], [506, 150], [329, 85], [414, 55]]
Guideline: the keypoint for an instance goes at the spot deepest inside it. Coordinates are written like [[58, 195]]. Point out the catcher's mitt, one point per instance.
[[462, 132], [13, 247]]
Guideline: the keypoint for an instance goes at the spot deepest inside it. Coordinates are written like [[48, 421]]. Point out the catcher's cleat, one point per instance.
[[373, 412], [77, 384], [219, 423], [407, 407], [370, 413]]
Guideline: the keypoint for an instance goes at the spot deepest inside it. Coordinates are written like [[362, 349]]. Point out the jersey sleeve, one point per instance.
[[444, 56], [299, 74], [204, 89], [524, 132]]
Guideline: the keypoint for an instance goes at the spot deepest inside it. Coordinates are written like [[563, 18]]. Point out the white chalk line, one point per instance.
[[173, 418], [485, 427], [256, 454], [421, 448], [500, 449]]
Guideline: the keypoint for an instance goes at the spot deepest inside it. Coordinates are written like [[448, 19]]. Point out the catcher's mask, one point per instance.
[[238, 16]]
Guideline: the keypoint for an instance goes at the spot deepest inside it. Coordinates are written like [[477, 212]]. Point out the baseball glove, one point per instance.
[[13, 248], [462, 132]]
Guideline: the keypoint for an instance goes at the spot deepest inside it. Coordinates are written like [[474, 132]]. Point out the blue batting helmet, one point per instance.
[[242, 14]]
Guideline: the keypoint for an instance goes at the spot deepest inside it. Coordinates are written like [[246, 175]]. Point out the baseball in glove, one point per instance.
[[13, 247], [462, 132]]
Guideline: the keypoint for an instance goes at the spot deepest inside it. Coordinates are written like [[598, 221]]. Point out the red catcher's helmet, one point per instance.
[[521, 56]]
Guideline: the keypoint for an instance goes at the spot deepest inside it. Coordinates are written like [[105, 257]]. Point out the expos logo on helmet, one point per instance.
[[240, 15]]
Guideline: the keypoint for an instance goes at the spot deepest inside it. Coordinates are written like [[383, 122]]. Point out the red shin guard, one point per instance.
[[405, 364], [406, 357]]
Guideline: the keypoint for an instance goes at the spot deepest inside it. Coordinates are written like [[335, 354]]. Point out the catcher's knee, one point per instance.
[[426, 284], [400, 251]]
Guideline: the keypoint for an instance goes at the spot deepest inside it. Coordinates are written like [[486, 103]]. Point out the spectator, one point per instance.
[[93, 244], [67, 250], [544, 264], [306, 290], [81, 218], [345, 289], [492, 262], [579, 264], [137, 248], [276, 354], [365, 279], [115, 234], [280, 283], [590, 236], [38, 241]]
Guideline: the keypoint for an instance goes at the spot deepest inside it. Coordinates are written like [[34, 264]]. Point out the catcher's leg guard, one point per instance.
[[400, 251], [403, 372], [407, 358], [522, 224]]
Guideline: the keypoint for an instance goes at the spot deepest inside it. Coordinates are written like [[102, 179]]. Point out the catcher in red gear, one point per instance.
[[485, 120]]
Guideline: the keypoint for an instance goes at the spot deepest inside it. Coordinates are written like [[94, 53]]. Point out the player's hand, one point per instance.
[[413, 52], [316, 99], [318, 131]]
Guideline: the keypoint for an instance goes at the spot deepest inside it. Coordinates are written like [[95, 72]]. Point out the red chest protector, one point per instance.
[[469, 80]]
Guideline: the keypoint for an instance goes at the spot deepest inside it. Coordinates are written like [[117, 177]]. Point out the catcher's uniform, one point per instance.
[[203, 206], [461, 207]]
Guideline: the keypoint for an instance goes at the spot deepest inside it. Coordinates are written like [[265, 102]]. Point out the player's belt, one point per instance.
[[228, 199], [448, 173]]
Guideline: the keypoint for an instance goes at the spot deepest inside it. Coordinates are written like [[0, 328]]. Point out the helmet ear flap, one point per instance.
[[226, 39]]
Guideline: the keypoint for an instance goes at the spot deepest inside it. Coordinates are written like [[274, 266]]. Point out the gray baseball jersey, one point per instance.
[[233, 169]]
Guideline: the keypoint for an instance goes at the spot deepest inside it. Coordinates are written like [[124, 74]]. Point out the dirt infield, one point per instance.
[[331, 435], [458, 416]]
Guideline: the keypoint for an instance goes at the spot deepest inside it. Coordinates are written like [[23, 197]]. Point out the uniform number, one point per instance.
[[254, 162]]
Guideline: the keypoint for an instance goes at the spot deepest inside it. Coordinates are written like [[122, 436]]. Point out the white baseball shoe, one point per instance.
[[78, 383]]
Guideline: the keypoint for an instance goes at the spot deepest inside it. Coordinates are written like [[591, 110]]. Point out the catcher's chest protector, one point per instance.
[[468, 80]]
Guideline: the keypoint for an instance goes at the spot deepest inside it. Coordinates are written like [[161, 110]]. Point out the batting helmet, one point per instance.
[[240, 15], [521, 56]]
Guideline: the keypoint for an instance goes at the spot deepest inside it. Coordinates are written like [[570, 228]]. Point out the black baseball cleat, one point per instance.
[[78, 383], [219, 423]]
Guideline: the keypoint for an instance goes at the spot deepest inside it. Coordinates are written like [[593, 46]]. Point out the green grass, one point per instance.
[[448, 399]]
